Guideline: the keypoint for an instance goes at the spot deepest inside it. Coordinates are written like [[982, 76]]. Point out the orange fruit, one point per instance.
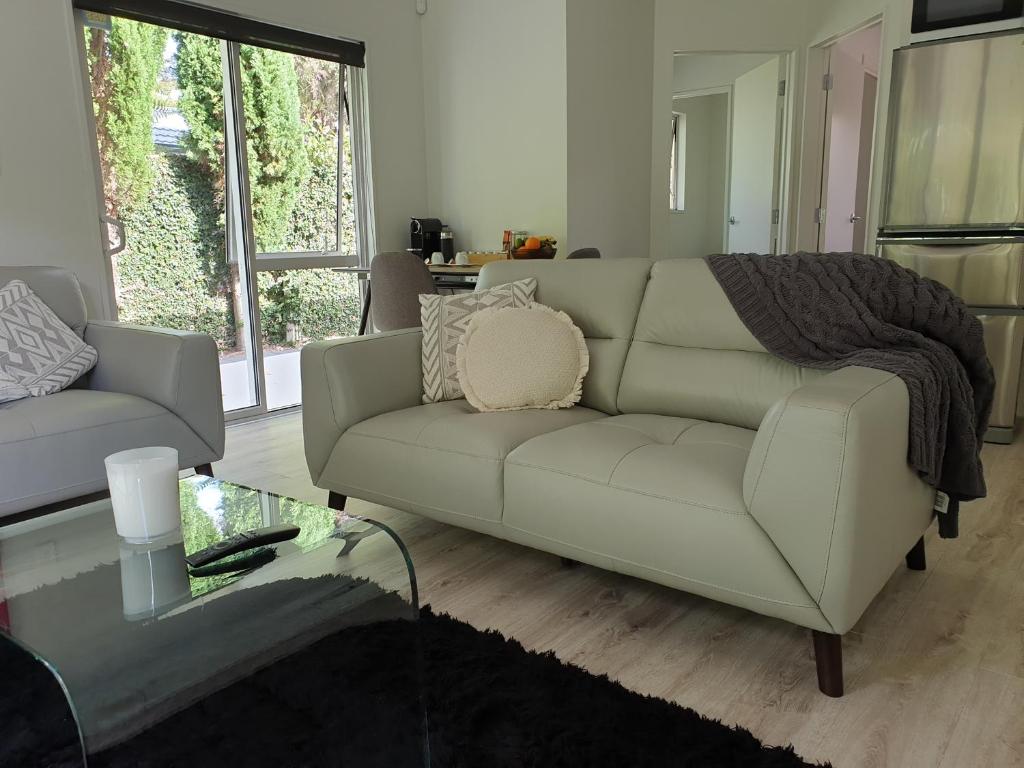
[[532, 243]]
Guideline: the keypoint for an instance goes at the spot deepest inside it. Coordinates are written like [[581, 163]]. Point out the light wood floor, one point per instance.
[[934, 670]]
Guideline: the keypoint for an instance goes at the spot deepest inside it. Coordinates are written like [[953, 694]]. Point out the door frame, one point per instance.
[[812, 151], [821, 211]]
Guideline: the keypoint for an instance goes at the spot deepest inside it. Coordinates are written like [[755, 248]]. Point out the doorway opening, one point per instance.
[[850, 84], [728, 145]]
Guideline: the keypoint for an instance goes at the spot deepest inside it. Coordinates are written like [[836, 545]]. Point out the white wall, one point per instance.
[[698, 229], [48, 206], [713, 26], [609, 45], [709, 70], [49, 212], [494, 83]]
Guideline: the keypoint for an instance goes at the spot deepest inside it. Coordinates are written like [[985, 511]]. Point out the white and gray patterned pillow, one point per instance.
[[444, 320], [10, 388], [38, 352]]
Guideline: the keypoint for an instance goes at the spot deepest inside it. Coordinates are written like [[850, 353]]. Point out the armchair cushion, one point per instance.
[[52, 448], [37, 349], [177, 370]]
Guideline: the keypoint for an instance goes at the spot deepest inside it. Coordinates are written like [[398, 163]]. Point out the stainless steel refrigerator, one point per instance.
[[953, 204]]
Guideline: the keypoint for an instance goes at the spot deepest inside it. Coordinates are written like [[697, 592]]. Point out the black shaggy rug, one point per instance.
[[351, 700]]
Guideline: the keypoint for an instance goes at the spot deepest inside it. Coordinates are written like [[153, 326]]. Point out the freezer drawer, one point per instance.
[[956, 120], [986, 274], [1003, 339]]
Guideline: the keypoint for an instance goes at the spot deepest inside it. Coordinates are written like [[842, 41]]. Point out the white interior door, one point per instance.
[[841, 170], [850, 83], [752, 174]]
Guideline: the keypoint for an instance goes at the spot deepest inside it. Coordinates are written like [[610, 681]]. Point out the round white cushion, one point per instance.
[[522, 357]]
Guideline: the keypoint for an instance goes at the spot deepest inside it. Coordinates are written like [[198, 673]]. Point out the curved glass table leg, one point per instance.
[[52, 670]]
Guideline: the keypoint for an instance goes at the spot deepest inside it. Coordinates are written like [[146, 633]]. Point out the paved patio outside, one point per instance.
[[283, 386]]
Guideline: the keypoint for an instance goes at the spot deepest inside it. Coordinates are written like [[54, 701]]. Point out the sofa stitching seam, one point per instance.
[[684, 430], [37, 436], [767, 450], [84, 484], [426, 447], [839, 483], [423, 429], [412, 503], [629, 490], [622, 459], [667, 573]]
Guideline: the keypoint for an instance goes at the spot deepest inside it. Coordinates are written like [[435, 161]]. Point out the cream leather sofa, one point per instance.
[[151, 386], [695, 459]]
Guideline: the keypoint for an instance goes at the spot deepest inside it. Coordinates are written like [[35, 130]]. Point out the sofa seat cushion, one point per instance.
[[661, 491], [438, 457], [52, 448]]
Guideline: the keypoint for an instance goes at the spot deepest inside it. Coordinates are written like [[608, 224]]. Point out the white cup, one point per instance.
[[153, 578], [437, 258], [144, 492], [462, 258]]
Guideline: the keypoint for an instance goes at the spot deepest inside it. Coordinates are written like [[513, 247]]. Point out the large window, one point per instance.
[[228, 167]]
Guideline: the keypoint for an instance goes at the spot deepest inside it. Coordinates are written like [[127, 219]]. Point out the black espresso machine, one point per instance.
[[428, 236]]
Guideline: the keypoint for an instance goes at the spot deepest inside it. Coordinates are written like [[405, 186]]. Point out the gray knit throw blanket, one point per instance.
[[834, 310]]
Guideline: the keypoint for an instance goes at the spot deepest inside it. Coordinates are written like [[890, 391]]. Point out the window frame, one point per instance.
[[352, 105]]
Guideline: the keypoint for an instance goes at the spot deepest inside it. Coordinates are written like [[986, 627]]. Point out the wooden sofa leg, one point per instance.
[[568, 562], [205, 469], [828, 656], [336, 501], [915, 557]]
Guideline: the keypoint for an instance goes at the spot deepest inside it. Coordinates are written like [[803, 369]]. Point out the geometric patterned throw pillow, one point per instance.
[[39, 354], [444, 320]]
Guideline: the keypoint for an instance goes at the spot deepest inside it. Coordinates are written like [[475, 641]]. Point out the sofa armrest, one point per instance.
[[175, 369], [346, 381], [828, 480]]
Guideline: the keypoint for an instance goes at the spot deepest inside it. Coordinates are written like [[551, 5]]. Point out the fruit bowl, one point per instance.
[[544, 252]]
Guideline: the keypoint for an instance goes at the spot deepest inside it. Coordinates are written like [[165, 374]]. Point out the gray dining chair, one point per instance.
[[393, 294], [585, 253]]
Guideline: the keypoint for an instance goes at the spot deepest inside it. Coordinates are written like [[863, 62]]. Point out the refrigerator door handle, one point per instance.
[[951, 239]]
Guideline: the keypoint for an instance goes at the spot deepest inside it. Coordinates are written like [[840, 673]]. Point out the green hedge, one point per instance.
[[173, 272]]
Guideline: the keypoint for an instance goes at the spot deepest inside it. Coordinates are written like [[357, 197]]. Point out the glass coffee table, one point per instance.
[[139, 646]]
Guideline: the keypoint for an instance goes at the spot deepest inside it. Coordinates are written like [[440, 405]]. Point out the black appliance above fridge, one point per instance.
[[953, 205]]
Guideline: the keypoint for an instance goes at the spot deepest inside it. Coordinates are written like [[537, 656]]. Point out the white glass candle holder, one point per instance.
[[144, 492], [153, 577]]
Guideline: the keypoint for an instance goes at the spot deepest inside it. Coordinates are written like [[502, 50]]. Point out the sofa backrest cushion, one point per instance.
[[691, 355], [58, 288], [602, 296]]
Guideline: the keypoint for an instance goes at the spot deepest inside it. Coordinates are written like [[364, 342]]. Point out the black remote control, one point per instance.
[[241, 542], [245, 562]]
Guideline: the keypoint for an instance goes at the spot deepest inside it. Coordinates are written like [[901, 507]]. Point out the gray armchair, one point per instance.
[[151, 386]]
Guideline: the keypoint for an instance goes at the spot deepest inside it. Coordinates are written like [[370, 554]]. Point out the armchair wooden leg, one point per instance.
[[205, 469], [828, 656], [568, 562], [915, 557], [336, 501]]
